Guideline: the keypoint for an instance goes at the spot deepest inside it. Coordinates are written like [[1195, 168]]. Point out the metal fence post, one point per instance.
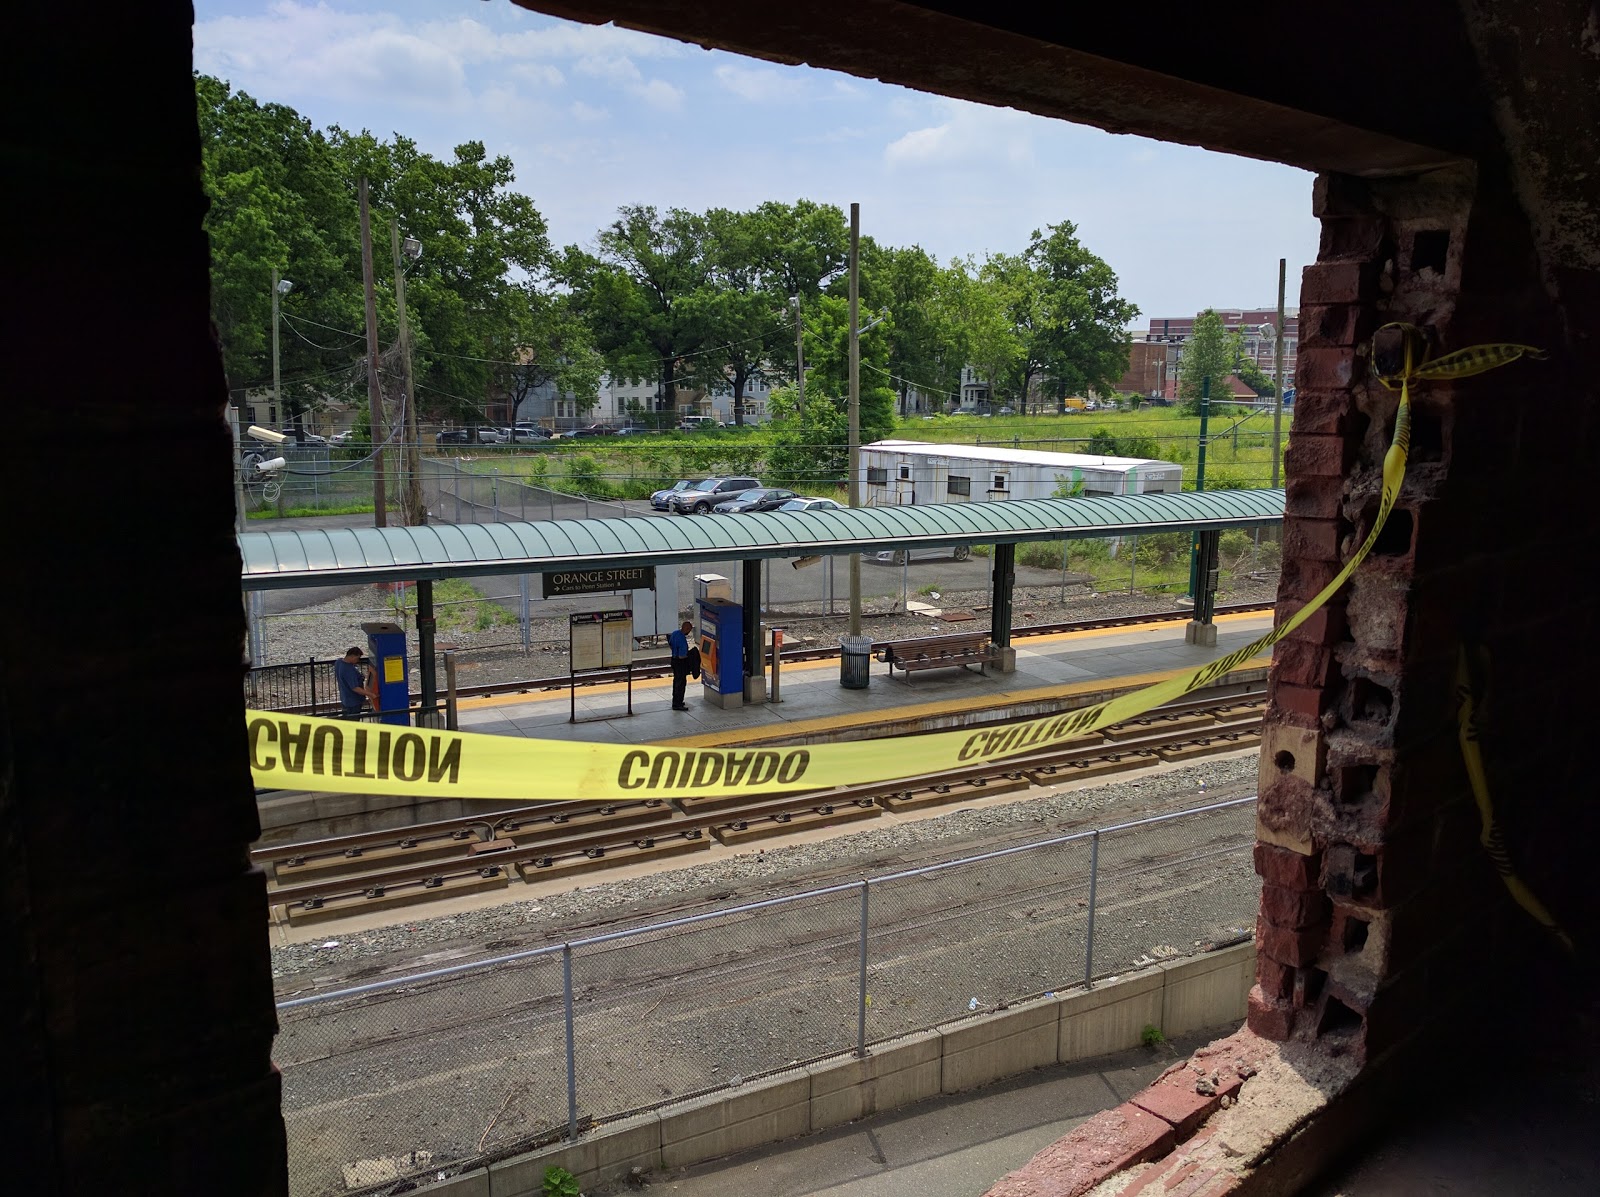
[[572, 1054], [522, 585], [457, 489], [494, 493], [450, 713], [1094, 873], [311, 669], [861, 1007]]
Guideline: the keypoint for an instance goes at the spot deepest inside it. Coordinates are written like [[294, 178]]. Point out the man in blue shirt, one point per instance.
[[354, 689], [678, 642]]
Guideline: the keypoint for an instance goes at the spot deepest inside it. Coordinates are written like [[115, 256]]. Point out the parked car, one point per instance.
[[453, 436], [758, 498], [491, 436], [706, 495], [662, 499], [961, 552], [1006, 411], [802, 503], [342, 438], [634, 431], [691, 423], [529, 432]]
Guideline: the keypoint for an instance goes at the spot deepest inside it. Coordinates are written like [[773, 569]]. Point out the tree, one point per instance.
[[827, 342], [926, 349], [975, 307], [279, 200], [1068, 321], [283, 194], [1210, 352], [1080, 323], [637, 293], [1250, 374]]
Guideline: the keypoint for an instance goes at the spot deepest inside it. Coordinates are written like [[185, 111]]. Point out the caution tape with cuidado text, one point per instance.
[[302, 752]]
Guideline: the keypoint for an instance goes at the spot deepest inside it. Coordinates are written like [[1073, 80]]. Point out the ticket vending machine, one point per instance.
[[386, 645], [722, 651]]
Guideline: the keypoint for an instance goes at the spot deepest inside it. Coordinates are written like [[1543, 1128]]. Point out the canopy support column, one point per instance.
[[755, 669], [1004, 578]]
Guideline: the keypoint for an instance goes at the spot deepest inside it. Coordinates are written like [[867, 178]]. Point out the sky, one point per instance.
[[596, 117]]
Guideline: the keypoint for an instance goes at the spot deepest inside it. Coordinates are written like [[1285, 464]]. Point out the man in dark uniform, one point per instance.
[[354, 686], [678, 642]]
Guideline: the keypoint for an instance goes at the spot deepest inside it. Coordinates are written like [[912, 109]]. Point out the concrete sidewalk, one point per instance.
[[953, 1146]]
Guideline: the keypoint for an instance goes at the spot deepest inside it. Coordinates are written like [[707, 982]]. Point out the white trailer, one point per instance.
[[897, 473]]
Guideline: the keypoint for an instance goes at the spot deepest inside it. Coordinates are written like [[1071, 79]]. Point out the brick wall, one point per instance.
[[1380, 914]]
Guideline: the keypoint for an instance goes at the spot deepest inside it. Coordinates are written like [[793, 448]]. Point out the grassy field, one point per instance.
[[1239, 454]]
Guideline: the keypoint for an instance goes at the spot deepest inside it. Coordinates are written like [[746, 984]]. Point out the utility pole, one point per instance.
[[414, 511], [855, 406], [799, 361], [277, 397], [374, 386], [1277, 398], [1199, 485]]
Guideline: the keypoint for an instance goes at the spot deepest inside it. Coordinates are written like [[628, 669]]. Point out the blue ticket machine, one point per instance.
[[386, 645], [722, 651]]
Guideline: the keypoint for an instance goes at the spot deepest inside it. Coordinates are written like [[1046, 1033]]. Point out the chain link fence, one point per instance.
[[438, 1071]]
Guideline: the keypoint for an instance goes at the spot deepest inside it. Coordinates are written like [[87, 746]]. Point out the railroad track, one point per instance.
[[332, 878]]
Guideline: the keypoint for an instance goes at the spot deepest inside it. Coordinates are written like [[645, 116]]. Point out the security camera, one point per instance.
[[266, 434], [268, 467]]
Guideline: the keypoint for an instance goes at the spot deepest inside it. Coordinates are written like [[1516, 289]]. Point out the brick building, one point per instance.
[[1256, 339]]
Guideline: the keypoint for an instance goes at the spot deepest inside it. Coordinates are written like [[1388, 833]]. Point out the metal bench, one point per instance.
[[937, 652]]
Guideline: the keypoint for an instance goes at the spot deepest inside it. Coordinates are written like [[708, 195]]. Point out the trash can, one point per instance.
[[855, 659]]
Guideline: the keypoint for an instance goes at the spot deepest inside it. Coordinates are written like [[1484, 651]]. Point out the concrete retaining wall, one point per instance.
[[1178, 998]]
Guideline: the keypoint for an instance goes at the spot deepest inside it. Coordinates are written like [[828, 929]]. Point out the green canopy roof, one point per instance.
[[319, 557]]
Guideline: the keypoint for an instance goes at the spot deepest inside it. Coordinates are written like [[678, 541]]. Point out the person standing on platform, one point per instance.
[[355, 684], [678, 642]]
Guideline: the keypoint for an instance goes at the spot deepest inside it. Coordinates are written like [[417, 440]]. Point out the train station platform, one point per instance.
[[1054, 672]]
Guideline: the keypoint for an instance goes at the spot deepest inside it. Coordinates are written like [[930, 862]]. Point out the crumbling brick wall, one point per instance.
[[1378, 903]]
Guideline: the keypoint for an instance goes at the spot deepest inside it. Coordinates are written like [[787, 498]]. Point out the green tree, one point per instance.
[[926, 348], [1251, 375], [827, 342], [1210, 352], [810, 448], [973, 305], [637, 295]]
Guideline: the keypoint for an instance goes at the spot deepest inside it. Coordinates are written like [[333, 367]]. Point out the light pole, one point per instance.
[[280, 287], [415, 513], [855, 403]]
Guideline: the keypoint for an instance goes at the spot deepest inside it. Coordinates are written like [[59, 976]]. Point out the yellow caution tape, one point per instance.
[[1489, 833], [300, 752]]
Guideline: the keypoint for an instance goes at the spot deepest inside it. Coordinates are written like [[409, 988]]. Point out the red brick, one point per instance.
[[1302, 702], [1176, 1101], [1329, 369], [1301, 664], [1312, 539], [1325, 412], [1108, 1143], [1316, 498], [1294, 908], [1323, 627], [1330, 325], [1225, 1184], [1281, 866], [1292, 946], [1270, 1018], [1311, 454], [1324, 283], [1274, 978]]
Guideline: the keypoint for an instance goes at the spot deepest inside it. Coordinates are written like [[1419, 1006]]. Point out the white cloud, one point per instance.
[[970, 134], [760, 85], [297, 50], [658, 93], [587, 112]]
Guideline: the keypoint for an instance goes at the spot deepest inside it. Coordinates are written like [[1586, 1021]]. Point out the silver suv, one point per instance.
[[703, 496]]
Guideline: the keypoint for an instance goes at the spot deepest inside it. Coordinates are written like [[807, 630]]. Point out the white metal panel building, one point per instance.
[[895, 473]]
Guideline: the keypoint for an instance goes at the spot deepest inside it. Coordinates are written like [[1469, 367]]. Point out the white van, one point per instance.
[[690, 423]]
